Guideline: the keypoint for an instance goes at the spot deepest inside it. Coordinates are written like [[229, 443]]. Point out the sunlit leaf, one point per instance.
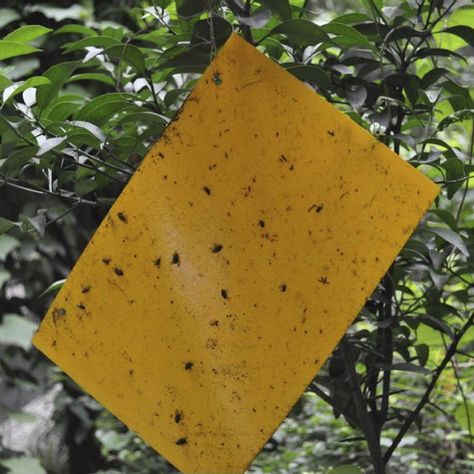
[[27, 33], [54, 287], [49, 144], [34, 81], [10, 49], [462, 31]]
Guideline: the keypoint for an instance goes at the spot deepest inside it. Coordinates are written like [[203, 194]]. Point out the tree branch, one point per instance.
[[424, 400], [365, 422]]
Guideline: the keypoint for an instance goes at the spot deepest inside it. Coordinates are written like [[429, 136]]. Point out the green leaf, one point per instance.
[[462, 15], [38, 223], [462, 31], [10, 49], [61, 108], [422, 352], [128, 53], [221, 30], [310, 73], [27, 33], [345, 469], [4, 82], [446, 216], [465, 420], [458, 116], [7, 244], [373, 30], [370, 4], [412, 88], [58, 75], [16, 330], [428, 52], [19, 87], [57, 285], [347, 36], [437, 324], [13, 164], [280, 8], [351, 18], [174, 95], [356, 95], [6, 225], [451, 237], [460, 95], [432, 76], [190, 8], [455, 174], [103, 107], [91, 128], [301, 31], [92, 76], [194, 60], [96, 41], [23, 465]]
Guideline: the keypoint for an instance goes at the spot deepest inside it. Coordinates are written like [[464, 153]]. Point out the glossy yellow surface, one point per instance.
[[232, 264]]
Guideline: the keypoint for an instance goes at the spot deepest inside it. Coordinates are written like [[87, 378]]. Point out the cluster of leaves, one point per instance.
[[87, 88]]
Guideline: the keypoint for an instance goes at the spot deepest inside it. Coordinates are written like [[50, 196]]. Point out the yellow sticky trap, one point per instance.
[[232, 263]]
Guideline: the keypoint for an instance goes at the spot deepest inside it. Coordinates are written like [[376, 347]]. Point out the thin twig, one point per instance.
[[64, 214], [44, 192]]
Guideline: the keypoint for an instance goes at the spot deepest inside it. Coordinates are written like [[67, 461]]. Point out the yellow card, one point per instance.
[[232, 264]]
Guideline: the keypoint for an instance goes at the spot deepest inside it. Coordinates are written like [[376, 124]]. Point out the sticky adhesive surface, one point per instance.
[[232, 263]]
